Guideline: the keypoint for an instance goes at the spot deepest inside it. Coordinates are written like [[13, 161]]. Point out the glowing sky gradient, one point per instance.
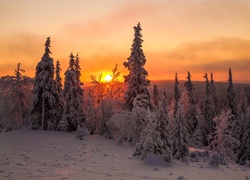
[[179, 35]]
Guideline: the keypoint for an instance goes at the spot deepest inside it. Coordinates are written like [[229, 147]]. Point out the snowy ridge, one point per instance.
[[29, 154]]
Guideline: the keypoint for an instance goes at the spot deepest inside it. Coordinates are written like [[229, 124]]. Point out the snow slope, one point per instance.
[[29, 154]]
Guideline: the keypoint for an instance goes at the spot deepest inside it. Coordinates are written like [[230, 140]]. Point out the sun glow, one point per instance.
[[107, 78]]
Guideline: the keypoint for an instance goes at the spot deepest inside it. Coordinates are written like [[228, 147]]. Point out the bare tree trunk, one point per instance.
[[43, 110]]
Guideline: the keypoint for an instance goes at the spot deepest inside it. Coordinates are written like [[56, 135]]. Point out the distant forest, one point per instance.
[[221, 88]]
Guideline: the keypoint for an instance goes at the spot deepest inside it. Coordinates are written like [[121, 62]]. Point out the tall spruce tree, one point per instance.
[[77, 68], [190, 89], [244, 151], [232, 105], [163, 127], [165, 93], [156, 96], [72, 63], [136, 80], [150, 142], [214, 95], [177, 94], [243, 103], [180, 135], [60, 101], [58, 77], [208, 111], [139, 113], [73, 112], [231, 95], [155, 137], [191, 109], [45, 113], [244, 129]]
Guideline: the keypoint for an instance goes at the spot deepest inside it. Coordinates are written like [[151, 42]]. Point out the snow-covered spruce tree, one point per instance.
[[73, 112], [244, 154], [231, 95], [243, 103], [208, 111], [242, 115], [139, 116], [165, 93], [60, 102], [177, 95], [136, 80], [191, 112], [214, 95], [155, 96], [197, 138], [180, 135], [152, 142], [77, 67], [244, 129], [162, 120], [46, 110], [58, 77], [232, 105], [80, 84], [222, 141], [14, 114]]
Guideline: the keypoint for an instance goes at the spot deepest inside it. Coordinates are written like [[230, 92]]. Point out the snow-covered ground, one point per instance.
[[29, 154]]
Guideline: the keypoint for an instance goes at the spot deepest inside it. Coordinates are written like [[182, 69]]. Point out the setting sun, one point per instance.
[[107, 78]]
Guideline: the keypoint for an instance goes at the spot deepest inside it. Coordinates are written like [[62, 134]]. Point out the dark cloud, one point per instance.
[[237, 64]]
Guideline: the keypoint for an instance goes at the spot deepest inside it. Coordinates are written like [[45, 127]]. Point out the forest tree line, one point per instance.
[[127, 111]]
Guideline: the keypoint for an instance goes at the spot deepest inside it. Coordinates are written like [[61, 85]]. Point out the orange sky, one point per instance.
[[179, 35]]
